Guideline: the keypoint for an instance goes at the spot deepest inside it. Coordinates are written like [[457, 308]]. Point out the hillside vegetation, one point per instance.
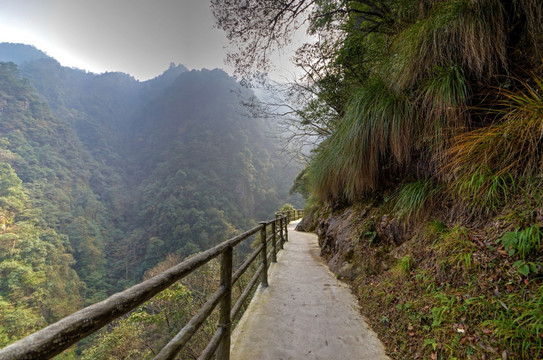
[[426, 186], [440, 145], [103, 177]]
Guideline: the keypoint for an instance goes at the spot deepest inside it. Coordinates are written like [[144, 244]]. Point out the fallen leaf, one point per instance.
[[460, 328]]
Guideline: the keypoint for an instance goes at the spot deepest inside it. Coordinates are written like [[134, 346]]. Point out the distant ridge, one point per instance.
[[166, 78], [20, 53]]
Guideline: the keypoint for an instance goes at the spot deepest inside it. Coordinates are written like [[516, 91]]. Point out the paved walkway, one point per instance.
[[305, 313]]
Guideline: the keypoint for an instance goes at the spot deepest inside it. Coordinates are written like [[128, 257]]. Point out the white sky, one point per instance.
[[138, 37]]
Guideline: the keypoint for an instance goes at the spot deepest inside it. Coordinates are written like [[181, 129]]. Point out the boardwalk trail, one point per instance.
[[305, 313]]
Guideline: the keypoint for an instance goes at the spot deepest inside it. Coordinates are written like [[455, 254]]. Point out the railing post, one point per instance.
[[281, 238], [223, 351], [274, 242], [264, 254], [286, 228]]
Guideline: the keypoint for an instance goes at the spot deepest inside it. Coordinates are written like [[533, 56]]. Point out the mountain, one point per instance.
[[20, 53], [103, 176]]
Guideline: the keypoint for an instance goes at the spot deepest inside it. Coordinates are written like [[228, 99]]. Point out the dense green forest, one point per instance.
[[430, 116], [102, 177]]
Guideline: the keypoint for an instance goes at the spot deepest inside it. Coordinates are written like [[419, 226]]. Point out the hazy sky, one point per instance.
[[139, 37]]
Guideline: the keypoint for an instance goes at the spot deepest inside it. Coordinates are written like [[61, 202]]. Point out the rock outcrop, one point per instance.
[[356, 240]]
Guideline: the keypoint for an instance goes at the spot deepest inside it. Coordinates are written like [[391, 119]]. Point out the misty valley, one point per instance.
[[106, 180]]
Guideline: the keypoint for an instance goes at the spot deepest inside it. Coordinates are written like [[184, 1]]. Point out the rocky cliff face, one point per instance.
[[357, 240]]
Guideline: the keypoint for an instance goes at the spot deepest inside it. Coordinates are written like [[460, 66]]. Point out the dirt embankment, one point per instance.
[[441, 286]]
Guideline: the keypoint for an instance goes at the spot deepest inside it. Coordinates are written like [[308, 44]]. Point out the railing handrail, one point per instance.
[[57, 337]]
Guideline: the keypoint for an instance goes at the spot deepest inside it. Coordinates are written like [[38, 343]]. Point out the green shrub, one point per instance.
[[523, 242]]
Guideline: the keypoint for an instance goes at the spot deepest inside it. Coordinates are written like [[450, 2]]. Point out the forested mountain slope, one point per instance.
[[103, 176], [212, 169]]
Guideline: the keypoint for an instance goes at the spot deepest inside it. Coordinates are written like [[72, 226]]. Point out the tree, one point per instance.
[[308, 108], [37, 284], [12, 197], [257, 28], [147, 329]]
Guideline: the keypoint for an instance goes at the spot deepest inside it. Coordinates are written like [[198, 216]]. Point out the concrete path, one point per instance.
[[305, 313]]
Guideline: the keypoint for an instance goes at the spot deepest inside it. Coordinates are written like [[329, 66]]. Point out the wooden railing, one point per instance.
[[57, 337]]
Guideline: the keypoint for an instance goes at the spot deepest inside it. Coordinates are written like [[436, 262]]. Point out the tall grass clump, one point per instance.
[[484, 191], [490, 161], [412, 200], [470, 33], [442, 101], [532, 11], [513, 144], [444, 94], [373, 139], [419, 72]]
